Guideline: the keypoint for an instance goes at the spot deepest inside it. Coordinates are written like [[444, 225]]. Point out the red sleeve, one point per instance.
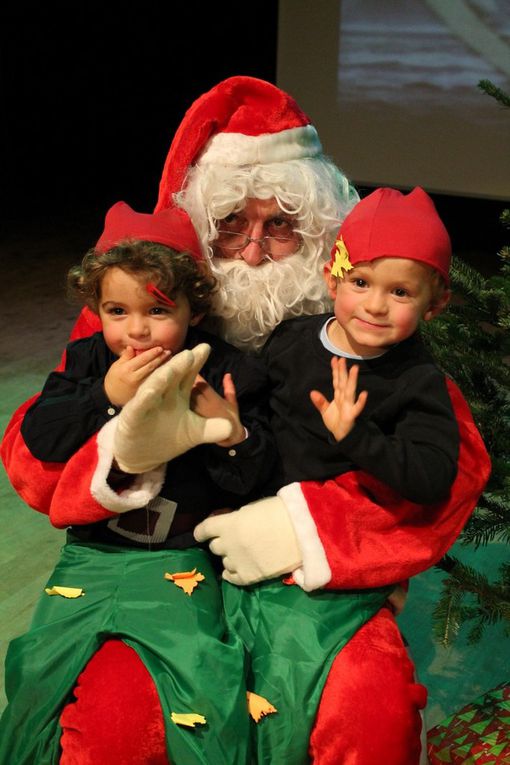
[[371, 537], [77, 492], [62, 491], [34, 481], [43, 485]]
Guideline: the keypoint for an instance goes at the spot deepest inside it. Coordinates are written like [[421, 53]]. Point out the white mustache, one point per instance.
[[252, 301]]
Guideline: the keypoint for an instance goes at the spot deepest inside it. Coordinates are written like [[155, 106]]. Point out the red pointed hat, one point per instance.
[[388, 223], [171, 227], [241, 121]]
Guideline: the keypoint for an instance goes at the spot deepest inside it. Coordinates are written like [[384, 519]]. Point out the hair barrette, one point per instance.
[[160, 296]]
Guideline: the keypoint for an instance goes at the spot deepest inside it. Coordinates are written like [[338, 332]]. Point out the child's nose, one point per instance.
[[376, 303], [138, 327]]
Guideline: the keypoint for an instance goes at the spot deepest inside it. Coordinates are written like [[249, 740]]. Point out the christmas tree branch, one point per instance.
[[492, 90]]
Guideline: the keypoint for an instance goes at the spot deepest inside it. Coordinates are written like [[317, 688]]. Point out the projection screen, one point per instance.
[[392, 86]]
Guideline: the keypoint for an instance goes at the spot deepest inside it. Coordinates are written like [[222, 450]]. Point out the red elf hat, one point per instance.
[[241, 121], [171, 227], [388, 223]]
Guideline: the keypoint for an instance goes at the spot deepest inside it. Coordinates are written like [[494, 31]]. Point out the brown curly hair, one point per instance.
[[170, 271]]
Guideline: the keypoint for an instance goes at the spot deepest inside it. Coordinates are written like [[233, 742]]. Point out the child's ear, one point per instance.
[[196, 319], [437, 306], [331, 281]]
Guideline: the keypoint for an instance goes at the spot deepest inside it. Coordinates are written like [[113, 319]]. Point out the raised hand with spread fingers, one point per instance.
[[340, 414]]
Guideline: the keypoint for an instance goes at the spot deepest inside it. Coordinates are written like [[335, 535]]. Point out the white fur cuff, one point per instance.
[[315, 571], [145, 486]]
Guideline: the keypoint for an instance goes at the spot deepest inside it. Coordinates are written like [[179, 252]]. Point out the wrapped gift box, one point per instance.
[[479, 734]]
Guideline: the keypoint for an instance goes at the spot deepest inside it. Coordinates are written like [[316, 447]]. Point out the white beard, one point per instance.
[[251, 301]]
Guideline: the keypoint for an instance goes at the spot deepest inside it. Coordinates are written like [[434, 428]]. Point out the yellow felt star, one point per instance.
[[258, 706], [189, 720], [186, 580], [342, 262], [65, 592]]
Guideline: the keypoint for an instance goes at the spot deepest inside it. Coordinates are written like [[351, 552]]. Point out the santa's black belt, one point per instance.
[[157, 527], [97, 536]]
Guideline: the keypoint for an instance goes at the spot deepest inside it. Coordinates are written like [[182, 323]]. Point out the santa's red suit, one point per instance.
[[370, 703], [380, 540]]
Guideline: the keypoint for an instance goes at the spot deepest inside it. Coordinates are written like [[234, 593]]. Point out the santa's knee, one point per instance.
[[370, 707], [116, 716]]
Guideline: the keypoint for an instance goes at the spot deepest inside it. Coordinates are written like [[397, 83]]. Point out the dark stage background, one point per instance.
[[91, 96]]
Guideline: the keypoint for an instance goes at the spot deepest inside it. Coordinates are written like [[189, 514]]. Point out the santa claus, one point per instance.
[[247, 165]]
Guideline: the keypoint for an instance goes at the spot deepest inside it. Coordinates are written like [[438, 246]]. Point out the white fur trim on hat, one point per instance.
[[240, 149], [314, 571], [145, 486]]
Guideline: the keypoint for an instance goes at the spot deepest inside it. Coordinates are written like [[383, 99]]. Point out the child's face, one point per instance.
[[380, 303], [130, 316]]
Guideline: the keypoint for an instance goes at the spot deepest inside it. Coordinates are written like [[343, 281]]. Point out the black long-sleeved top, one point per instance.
[[406, 436], [73, 406]]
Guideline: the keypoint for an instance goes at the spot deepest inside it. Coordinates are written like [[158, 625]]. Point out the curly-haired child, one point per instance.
[[148, 283]]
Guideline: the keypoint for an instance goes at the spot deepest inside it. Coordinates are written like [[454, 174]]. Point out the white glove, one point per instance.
[[256, 542], [157, 424]]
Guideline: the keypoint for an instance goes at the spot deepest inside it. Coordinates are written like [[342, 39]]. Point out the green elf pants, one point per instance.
[[292, 638], [182, 640]]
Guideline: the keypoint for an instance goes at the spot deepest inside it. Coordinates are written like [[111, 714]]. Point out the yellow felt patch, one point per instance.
[[258, 706], [186, 580], [188, 720], [342, 262], [65, 592]]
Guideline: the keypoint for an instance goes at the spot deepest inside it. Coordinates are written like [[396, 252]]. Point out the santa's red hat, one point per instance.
[[388, 223], [171, 227], [241, 121]]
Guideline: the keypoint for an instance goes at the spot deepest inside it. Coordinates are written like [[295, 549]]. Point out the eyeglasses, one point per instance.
[[272, 245]]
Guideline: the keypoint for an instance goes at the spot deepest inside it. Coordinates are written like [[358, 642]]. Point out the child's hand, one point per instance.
[[221, 511], [207, 403], [129, 371], [340, 414]]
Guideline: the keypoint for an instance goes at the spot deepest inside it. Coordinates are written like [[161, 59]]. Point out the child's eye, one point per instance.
[[159, 310], [116, 311], [359, 282], [400, 292]]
